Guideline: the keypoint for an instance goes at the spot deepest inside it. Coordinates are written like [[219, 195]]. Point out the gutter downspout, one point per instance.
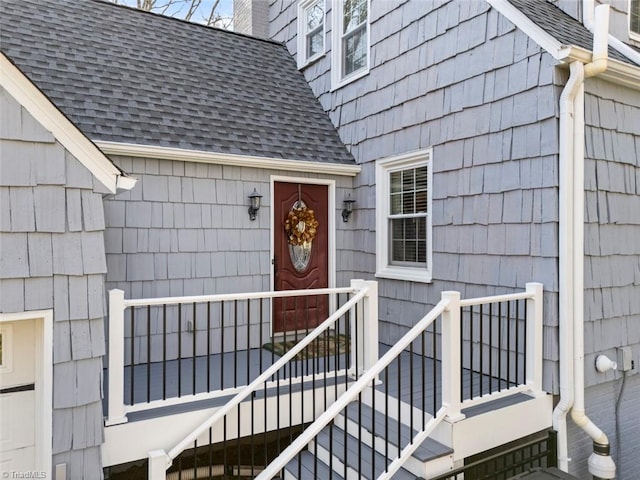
[[620, 46], [571, 256], [600, 463], [565, 260]]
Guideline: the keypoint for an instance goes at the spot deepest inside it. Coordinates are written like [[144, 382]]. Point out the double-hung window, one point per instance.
[[311, 31], [634, 19], [350, 27], [403, 225]]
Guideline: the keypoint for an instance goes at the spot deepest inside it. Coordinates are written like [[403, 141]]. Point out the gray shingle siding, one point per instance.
[[52, 257], [457, 77], [200, 241]]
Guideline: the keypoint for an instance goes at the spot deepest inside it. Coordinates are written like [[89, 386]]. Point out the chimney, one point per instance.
[[251, 17]]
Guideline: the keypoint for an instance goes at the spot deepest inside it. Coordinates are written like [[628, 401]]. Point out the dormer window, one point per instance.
[[350, 55], [634, 19], [311, 31]]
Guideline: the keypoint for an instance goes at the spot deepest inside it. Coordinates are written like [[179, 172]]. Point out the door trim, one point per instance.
[[331, 216], [44, 383]]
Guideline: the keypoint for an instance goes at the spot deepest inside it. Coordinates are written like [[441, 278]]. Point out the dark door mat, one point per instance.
[[324, 345]]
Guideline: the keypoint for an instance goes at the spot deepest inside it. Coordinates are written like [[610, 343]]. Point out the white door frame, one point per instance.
[[331, 216], [44, 383]]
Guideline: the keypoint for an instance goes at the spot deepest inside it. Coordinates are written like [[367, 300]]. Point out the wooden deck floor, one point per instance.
[[418, 382]]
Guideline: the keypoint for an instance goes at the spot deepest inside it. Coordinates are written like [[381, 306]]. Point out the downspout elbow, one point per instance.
[[600, 57]]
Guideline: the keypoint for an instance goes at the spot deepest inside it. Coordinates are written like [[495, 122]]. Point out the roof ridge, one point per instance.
[[200, 25]]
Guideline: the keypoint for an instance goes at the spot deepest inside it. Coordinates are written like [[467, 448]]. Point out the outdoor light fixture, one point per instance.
[[255, 204], [347, 209]]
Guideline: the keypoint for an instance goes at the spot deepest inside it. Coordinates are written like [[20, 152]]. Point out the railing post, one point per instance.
[[451, 364], [357, 332], [370, 326], [533, 361], [116, 413], [159, 461]]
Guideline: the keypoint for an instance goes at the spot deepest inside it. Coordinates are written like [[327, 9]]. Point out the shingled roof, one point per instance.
[[561, 26], [123, 75]]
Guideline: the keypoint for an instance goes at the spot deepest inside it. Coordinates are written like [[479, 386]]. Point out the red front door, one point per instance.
[[300, 268]]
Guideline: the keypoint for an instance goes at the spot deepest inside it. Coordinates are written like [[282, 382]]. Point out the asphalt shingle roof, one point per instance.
[[124, 75], [561, 26]]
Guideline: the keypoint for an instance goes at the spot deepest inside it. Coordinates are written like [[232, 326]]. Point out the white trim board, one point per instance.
[[184, 155], [43, 381], [44, 111]]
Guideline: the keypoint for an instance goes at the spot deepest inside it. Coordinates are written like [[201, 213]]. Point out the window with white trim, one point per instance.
[[403, 223], [311, 31], [634, 19], [350, 41]]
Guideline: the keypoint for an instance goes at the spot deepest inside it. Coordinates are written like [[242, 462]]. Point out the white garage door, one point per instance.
[[17, 396]]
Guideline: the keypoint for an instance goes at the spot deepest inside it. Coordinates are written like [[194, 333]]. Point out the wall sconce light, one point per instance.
[[347, 209], [254, 197]]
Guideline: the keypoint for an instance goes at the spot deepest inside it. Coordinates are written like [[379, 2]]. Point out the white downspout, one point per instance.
[[620, 46], [571, 252], [601, 464], [565, 259]]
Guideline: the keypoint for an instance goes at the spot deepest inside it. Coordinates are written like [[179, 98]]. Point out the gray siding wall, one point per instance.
[[52, 257], [184, 230], [457, 77], [612, 261]]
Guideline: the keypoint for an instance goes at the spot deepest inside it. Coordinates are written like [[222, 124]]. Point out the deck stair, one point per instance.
[[328, 449]]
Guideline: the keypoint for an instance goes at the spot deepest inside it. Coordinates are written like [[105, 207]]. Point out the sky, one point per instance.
[[225, 8]]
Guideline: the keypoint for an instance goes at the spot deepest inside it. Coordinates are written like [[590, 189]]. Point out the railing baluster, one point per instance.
[[194, 327], [434, 340], [179, 350], [500, 346], [133, 358], [235, 343], [248, 341], [517, 342], [471, 359], [508, 344], [491, 347], [195, 459], [208, 346], [164, 351], [481, 352], [148, 353], [222, 329]]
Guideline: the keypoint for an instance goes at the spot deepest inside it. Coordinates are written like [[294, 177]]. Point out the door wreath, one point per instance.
[[301, 225]]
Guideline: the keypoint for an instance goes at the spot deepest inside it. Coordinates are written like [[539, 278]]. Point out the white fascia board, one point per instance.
[[184, 155], [524, 23], [45, 112]]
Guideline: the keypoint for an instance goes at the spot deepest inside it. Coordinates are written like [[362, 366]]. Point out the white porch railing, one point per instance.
[[451, 311], [161, 350]]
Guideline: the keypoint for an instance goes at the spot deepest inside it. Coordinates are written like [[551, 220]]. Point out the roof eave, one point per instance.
[[186, 155], [20, 87], [617, 71]]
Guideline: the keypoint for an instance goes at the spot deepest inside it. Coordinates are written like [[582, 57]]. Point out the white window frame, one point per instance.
[[303, 6], [384, 268], [337, 78], [633, 35]]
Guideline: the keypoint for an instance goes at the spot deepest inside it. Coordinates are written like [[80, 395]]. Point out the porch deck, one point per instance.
[[154, 382]]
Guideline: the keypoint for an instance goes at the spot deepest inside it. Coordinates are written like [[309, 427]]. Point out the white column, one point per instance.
[[116, 413], [534, 338], [451, 365], [159, 461]]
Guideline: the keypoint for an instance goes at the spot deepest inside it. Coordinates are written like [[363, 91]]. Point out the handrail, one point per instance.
[[259, 381], [352, 392], [143, 302]]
